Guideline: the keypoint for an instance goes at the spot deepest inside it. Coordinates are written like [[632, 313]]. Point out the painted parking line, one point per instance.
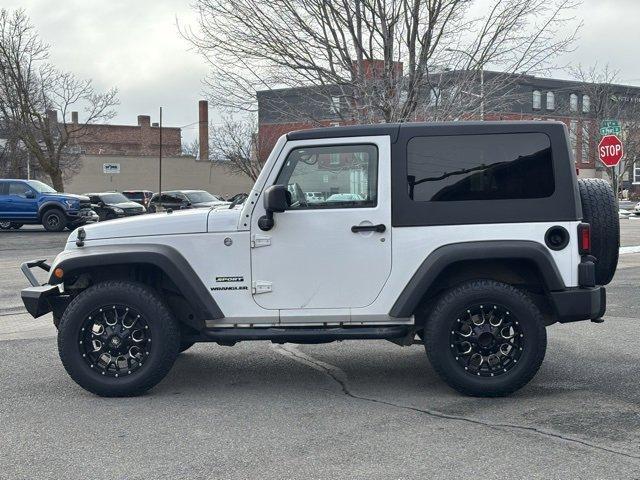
[[632, 249]]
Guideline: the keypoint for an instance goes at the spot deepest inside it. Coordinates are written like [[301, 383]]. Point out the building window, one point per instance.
[[585, 142], [636, 173], [573, 102], [573, 137], [335, 105], [537, 100], [551, 101], [586, 104]]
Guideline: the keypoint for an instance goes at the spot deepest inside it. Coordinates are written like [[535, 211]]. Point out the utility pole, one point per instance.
[[160, 164]]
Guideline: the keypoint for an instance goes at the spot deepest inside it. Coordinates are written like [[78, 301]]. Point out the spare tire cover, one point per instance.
[[600, 210]]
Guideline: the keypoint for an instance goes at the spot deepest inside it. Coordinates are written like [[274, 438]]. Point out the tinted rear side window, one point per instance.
[[480, 167]]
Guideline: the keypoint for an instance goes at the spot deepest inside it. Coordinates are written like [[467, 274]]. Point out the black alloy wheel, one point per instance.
[[118, 338], [115, 340], [486, 340]]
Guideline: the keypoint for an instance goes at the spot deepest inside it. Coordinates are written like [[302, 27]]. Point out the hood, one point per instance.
[[224, 220], [68, 196], [210, 204], [177, 222]]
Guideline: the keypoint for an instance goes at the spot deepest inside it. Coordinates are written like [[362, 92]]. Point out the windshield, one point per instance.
[[113, 198], [201, 196], [40, 187]]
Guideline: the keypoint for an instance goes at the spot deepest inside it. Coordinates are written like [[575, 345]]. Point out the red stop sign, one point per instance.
[[610, 150]]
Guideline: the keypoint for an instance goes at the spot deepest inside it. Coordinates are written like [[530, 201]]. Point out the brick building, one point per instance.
[[523, 97], [142, 139]]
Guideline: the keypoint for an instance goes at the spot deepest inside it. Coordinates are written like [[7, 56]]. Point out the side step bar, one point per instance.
[[230, 336]]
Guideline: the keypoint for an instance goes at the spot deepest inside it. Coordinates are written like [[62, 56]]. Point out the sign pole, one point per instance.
[[160, 164]]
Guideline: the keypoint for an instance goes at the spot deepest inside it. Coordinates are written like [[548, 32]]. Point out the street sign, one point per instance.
[[610, 150], [610, 127], [110, 168]]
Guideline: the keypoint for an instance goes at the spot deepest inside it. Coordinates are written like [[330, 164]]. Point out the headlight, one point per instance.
[[118, 210], [71, 203]]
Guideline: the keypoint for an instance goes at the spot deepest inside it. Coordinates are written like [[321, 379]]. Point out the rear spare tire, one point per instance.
[[600, 210]]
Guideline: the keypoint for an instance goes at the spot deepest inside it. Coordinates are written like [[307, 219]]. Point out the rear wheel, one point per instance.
[[485, 338], [600, 211], [118, 338], [5, 225], [54, 220]]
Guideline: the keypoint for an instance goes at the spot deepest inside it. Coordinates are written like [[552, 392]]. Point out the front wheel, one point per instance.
[[54, 221], [5, 225], [485, 338], [118, 338], [17, 226]]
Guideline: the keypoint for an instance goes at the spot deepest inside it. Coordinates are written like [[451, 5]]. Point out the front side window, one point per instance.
[[340, 176], [480, 167], [20, 189]]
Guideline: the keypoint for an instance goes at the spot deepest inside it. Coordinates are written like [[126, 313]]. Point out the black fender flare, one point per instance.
[[166, 258], [447, 255], [50, 203]]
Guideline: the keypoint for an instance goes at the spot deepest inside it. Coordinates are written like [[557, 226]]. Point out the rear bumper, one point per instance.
[[575, 304]]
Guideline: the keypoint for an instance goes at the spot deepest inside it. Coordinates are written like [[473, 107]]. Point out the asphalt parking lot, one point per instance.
[[342, 410]]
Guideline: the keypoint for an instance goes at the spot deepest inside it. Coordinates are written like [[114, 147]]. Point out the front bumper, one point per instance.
[[83, 216], [575, 304], [41, 299]]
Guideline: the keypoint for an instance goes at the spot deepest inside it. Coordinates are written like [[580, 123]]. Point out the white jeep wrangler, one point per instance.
[[470, 238]]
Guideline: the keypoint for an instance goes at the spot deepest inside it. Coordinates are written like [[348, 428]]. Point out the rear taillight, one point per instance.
[[584, 239]]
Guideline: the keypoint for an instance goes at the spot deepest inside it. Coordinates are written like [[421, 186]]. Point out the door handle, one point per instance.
[[380, 228]]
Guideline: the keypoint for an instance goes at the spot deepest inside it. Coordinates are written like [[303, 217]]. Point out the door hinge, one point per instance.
[[260, 241], [258, 287]]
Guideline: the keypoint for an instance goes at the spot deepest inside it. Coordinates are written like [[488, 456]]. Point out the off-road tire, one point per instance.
[[164, 330], [438, 328], [5, 225], [54, 220], [17, 226], [600, 210]]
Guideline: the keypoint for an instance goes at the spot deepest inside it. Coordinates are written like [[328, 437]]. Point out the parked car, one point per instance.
[[183, 199], [344, 197], [32, 202], [110, 205], [139, 196], [449, 244], [636, 209], [314, 197]]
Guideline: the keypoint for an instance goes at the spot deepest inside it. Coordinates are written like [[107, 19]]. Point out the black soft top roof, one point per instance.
[[394, 129]]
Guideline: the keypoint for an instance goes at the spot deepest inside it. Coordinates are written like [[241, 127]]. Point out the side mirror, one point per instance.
[[29, 194], [277, 198]]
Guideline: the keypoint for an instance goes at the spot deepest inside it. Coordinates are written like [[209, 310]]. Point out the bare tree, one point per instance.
[[192, 148], [611, 101], [32, 92], [374, 60], [236, 145]]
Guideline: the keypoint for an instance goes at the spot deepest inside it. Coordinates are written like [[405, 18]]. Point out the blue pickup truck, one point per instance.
[[33, 202]]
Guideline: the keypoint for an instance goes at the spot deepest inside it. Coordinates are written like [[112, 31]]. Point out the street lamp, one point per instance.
[[481, 77]]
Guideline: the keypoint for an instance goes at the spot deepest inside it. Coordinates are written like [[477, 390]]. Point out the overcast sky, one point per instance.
[[135, 46]]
